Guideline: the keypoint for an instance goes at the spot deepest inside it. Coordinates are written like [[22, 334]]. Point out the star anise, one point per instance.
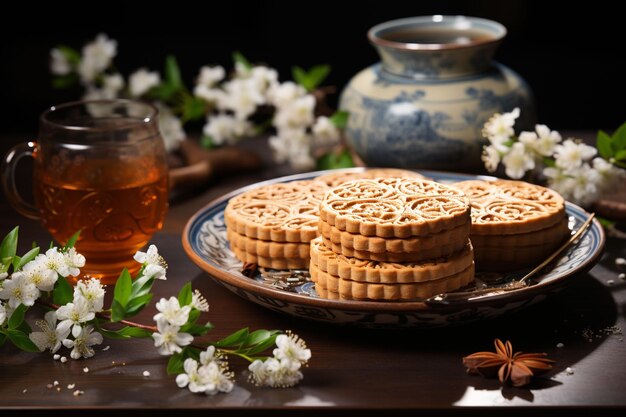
[[518, 368], [250, 270]]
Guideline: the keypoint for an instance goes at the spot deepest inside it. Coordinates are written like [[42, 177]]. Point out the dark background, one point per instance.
[[573, 56]]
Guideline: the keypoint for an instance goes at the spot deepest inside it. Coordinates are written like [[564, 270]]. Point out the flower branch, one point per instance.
[[77, 319], [244, 103]]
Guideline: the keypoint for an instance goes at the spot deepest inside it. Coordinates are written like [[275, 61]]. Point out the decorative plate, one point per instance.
[[291, 292]]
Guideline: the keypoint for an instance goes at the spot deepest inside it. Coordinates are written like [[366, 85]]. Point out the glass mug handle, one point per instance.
[[8, 179]]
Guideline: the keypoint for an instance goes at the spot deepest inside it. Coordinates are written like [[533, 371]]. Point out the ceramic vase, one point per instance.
[[425, 103]]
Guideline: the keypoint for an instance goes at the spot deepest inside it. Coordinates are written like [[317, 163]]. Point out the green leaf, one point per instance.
[[136, 304], [21, 340], [8, 247], [621, 155], [16, 262], [3, 339], [193, 318], [603, 143], [605, 222], [196, 329], [299, 75], [313, 78], [123, 288], [126, 332], [63, 292], [17, 317], [260, 347], [118, 312], [340, 119], [172, 73], [64, 81], [71, 54], [24, 327], [620, 164], [175, 364], [194, 108], [335, 160], [72, 241], [619, 138], [163, 92], [549, 162], [239, 58], [234, 339], [207, 142], [185, 295], [256, 337], [28, 256]]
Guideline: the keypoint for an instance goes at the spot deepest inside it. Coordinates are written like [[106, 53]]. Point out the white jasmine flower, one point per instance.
[[499, 128], [172, 312], [490, 157], [224, 128], [611, 176], [517, 161], [50, 337], [298, 114], [242, 97], [282, 95], [74, 314], [212, 95], [93, 293], [291, 347], [170, 127], [94, 93], [3, 275], [81, 346], [18, 290], [241, 71], [264, 78], [197, 381], [3, 313], [168, 340], [217, 378], [40, 275], [209, 76], [54, 260], [208, 356], [325, 131], [199, 302], [571, 155], [293, 146], [586, 180], [113, 84], [542, 142], [275, 373], [560, 182], [142, 80], [74, 261], [59, 64], [154, 263], [97, 57]]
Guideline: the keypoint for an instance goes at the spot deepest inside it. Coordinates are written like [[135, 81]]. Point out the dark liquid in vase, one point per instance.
[[437, 36]]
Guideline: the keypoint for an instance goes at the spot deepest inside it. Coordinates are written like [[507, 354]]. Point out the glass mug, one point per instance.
[[99, 167]]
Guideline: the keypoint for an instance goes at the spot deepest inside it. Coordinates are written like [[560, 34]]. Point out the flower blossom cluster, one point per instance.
[[298, 131], [569, 166], [228, 102], [283, 369]]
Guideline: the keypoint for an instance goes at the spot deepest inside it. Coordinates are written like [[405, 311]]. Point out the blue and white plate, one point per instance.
[[291, 292]]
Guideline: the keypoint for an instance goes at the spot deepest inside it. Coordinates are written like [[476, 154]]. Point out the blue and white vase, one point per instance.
[[425, 104]]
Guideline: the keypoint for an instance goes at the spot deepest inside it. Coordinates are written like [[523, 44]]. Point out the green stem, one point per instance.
[[234, 352]]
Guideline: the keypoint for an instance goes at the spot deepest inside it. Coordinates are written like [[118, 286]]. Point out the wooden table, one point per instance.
[[351, 368]]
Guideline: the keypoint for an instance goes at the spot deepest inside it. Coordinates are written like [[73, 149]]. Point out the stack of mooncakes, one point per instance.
[[514, 224], [272, 225], [392, 239], [334, 179]]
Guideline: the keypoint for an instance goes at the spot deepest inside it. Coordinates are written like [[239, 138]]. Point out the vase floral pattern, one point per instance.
[[425, 108]]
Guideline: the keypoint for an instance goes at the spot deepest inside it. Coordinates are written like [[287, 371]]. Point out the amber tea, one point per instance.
[[100, 167]]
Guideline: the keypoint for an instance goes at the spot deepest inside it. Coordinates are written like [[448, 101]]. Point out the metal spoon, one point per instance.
[[462, 296]]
